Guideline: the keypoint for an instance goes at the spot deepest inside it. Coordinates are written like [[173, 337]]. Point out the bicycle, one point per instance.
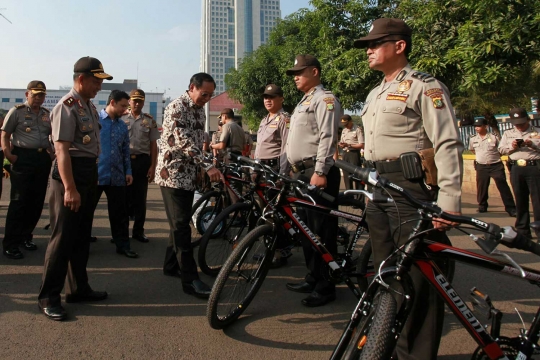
[[246, 268], [382, 311]]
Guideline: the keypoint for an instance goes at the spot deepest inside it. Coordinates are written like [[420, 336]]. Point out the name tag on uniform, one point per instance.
[[272, 126], [397, 96]]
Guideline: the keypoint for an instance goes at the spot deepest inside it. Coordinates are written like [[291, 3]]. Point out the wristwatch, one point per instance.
[[320, 173]]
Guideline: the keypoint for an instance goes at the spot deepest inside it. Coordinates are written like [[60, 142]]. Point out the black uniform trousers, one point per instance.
[[118, 218], [352, 157], [138, 191], [29, 179], [526, 182], [67, 252], [421, 334], [324, 226], [179, 253], [484, 173]]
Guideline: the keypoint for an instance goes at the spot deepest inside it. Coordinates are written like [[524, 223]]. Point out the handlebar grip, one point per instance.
[[356, 171], [320, 192], [523, 243], [246, 160]]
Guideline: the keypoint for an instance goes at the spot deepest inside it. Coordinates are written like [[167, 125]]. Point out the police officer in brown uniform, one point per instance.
[[273, 131], [143, 134], [232, 135], [409, 111], [218, 154], [75, 134], [352, 141], [27, 127], [522, 145], [488, 165], [310, 148]]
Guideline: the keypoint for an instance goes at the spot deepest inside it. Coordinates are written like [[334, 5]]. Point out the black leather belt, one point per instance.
[[21, 149], [385, 167], [270, 162], [137, 156], [303, 165], [492, 164], [353, 151], [523, 162]]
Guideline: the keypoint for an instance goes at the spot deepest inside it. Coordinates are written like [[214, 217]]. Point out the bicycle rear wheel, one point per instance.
[[203, 213], [241, 277], [229, 227]]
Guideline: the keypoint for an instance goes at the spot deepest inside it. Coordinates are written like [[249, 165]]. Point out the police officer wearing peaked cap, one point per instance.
[[27, 128], [75, 134], [409, 111], [488, 165], [522, 145], [352, 140], [311, 146]]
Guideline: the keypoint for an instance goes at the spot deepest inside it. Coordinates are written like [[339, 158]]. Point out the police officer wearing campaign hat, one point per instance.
[[143, 134], [409, 111], [488, 165], [75, 134], [311, 146], [522, 145], [27, 128], [352, 141]]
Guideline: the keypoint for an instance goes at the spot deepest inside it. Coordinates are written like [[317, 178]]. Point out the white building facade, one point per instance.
[[232, 28]]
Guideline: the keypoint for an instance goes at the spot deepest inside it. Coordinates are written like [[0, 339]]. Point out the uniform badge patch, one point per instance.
[[145, 122], [433, 92], [86, 139], [397, 96], [69, 101], [81, 112], [404, 85], [45, 118], [28, 129], [329, 103], [437, 102]]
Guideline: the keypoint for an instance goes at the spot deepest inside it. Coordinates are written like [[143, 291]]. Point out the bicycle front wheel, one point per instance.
[[203, 213], [241, 277]]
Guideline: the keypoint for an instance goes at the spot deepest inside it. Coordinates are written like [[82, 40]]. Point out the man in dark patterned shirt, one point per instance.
[[180, 155], [114, 169]]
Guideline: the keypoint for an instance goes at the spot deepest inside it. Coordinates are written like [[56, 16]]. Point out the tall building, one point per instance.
[[232, 28]]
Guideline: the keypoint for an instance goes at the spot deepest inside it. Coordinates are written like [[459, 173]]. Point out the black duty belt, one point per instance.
[[270, 162], [303, 165], [138, 156], [385, 167], [492, 164], [21, 149], [353, 151], [523, 162]]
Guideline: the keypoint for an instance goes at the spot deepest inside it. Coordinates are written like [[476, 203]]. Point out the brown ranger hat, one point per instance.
[[227, 111], [346, 118], [37, 87], [381, 28], [303, 61], [137, 94], [90, 65], [518, 116], [273, 90]]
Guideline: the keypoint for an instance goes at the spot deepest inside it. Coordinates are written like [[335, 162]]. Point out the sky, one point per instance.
[[156, 41]]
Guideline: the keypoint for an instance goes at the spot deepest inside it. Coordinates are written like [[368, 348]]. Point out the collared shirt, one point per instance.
[[29, 130], [233, 136], [114, 162], [142, 131], [522, 152], [485, 148], [272, 139], [353, 136], [314, 129], [77, 122], [181, 144], [411, 113]]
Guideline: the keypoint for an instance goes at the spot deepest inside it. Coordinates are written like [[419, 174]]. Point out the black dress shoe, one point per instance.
[[278, 262], [303, 287], [142, 238], [29, 245], [197, 288], [90, 296], [176, 273], [481, 210], [56, 313], [128, 253], [317, 299], [512, 213], [14, 254]]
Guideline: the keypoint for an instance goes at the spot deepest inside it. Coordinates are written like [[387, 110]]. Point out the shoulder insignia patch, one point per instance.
[[148, 116], [69, 101], [436, 96], [19, 106], [329, 103], [423, 76]]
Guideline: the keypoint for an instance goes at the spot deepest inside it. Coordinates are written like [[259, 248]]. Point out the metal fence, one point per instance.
[[465, 132]]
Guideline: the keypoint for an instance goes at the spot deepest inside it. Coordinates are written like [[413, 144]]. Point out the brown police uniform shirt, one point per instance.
[[524, 152], [272, 138], [485, 148], [410, 113], [142, 131], [77, 122], [313, 129], [29, 130], [233, 136], [353, 136]]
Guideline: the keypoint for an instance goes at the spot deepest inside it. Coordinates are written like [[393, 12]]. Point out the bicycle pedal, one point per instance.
[[481, 303]]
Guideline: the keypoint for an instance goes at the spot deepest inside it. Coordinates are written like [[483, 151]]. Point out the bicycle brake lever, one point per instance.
[[512, 261], [247, 167], [306, 195]]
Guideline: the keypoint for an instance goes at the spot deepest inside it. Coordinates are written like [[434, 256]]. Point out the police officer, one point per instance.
[[521, 144], [408, 112], [218, 154], [75, 134], [143, 134], [232, 135], [30, 126], [488, 165], [310, 148], [352, 140]]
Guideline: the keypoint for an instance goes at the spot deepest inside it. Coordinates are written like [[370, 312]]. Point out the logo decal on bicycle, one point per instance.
[[306, 229]]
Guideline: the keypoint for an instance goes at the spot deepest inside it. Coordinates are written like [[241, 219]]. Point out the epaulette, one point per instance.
[[19, 106], [422, 76], [69, 101], [45, 109], [148, 116]]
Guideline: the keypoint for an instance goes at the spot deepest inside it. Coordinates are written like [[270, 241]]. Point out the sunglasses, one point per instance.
[[378, 43]]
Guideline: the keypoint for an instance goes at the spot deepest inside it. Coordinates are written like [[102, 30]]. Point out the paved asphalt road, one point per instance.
[[147, 316]]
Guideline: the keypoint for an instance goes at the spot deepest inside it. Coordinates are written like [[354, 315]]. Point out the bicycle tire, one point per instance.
[[374, 338], [225, 304], [364, 264], [231, 224], [196, 221]]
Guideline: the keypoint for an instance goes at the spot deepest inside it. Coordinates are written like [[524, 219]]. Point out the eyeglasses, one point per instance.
[[376, 44]]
